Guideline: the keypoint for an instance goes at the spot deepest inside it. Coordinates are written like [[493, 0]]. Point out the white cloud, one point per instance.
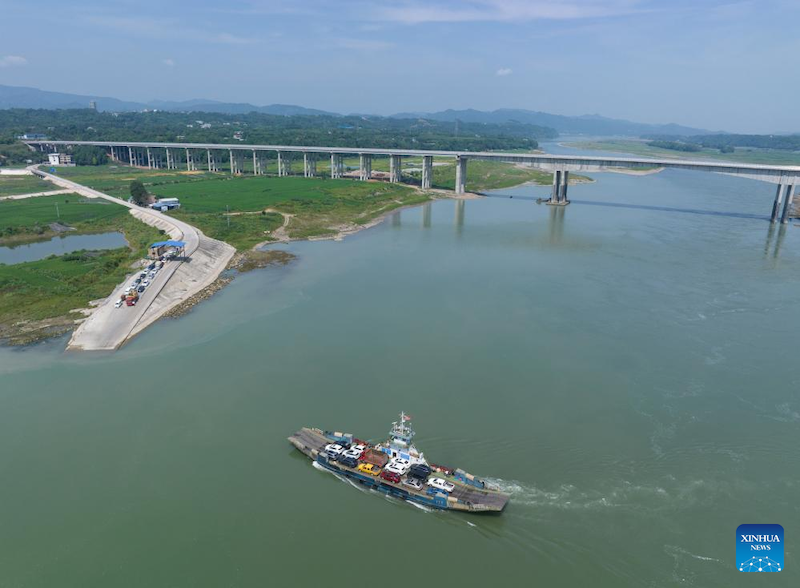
[[169, 62], [164, 29], [417, 11], [13, 61], [504, 71], [363, 44]]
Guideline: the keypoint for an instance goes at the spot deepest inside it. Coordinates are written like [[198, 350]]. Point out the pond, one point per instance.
[[60, 246]]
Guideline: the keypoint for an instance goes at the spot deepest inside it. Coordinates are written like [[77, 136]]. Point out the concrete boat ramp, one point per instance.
[[107, 328]]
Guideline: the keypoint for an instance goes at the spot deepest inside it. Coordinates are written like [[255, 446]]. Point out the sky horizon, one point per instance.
[[721, 66]]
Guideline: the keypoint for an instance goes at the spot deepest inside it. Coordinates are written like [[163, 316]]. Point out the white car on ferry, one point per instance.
[[441, 484]]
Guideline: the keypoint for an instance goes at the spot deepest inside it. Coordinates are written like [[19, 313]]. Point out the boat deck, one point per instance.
[[312, 442]]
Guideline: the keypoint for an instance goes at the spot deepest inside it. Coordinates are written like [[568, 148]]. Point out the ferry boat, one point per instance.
[[396, 467]]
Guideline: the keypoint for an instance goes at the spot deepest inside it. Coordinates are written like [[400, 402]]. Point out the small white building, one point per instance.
[[59, 159]]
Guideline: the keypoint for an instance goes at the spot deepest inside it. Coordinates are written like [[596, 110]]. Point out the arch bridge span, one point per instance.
[[210, 155]]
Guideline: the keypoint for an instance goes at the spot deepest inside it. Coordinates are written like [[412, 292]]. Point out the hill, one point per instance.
[[23, 97], [592, 124]]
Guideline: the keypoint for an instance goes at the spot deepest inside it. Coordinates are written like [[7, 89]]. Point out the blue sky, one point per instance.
[[715, 64]]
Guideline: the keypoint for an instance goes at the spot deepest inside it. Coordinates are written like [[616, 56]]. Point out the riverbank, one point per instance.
[[47, 298], [740, 155], [246, 212]]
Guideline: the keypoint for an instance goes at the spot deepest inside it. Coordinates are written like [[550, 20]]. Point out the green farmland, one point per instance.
[[12, 185], [318, 206], [29, 219]]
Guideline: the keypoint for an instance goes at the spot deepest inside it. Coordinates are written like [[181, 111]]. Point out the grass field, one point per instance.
[[115, 180], [12, 185], [740, 155], [318, 205], [29, 219]]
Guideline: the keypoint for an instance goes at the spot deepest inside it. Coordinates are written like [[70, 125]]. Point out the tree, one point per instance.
[[139, 193], [89, 155]]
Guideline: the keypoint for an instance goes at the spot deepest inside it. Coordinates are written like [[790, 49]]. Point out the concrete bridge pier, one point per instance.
[[130, 156], [284, 164], [213, 162], [191, 165], [336, 166], [170, 159], [427, 172], [558, 196], [776, 204], [149, 159], [309, 165], [787, 203], [365, 166], [395, 169], [261, 158], [461, 174]]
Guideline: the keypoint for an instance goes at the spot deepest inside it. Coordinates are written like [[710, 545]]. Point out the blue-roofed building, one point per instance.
[[159, 248]]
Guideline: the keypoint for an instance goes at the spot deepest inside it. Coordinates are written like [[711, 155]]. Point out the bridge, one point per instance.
[[155, 155]]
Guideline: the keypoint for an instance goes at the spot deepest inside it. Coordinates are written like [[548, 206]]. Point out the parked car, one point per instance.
[[354, 453], [140, 289], [412, 483], [441, 484], [146, 283], [350, 462], [118, 303], [333, 450], [390, 476], [419, 470], [368, 468], [399, 465]]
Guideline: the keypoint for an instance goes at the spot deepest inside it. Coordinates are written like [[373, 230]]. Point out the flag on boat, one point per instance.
[[406, 418]]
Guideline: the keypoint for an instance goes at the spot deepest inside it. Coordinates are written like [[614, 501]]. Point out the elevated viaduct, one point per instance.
[[194, 156]]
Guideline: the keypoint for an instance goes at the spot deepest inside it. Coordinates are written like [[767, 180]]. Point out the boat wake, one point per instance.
[[366, 490], [567, 496]]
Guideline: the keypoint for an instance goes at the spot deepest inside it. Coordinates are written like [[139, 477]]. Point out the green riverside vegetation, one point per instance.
[[37, 298], [739, 154], [29, 219], [12, 185]]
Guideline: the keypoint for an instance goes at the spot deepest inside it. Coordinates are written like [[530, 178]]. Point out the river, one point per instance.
[[624, 367]]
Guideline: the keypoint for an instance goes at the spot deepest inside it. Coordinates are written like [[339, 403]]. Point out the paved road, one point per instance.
[[107, 327]]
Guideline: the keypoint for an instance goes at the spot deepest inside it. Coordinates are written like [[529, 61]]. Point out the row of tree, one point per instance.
[[333, 131]]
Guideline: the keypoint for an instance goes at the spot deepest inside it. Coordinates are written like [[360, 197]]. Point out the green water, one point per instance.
[[626, 368]]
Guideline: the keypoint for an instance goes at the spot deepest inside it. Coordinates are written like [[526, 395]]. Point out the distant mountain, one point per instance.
[[590, 124], [594, 124], [21, 97]]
